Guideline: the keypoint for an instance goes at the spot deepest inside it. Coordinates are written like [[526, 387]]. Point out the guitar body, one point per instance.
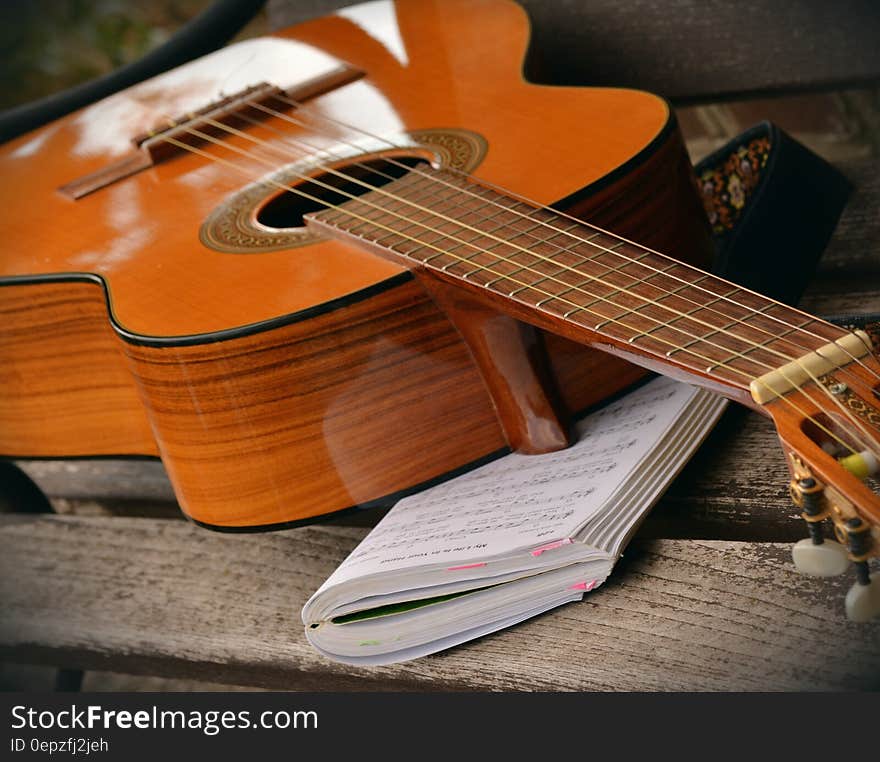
[[279, 375]]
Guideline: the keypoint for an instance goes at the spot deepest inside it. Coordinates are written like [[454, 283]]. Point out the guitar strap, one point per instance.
[[773, 205]]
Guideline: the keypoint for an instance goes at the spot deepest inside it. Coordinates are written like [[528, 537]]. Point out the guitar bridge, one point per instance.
[[174, 136]]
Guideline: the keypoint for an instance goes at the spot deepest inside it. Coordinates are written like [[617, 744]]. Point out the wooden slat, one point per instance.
[[166, 598], [852, 250], [108, 479]]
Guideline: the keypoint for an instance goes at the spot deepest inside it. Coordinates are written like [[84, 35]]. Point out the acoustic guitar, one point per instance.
[[323, 268]]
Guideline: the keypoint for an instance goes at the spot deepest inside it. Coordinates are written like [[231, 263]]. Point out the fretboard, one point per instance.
[[578, 280]]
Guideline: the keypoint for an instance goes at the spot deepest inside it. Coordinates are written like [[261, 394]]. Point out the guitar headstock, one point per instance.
[[830, 431]]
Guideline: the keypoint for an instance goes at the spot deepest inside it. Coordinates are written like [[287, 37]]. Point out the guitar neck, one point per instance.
[[579, 281]]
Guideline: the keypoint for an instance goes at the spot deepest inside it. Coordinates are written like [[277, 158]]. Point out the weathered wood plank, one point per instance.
[[166, 598], [101, 478], [853, 249]]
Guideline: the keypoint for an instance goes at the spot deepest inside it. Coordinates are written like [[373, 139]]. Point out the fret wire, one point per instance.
[[583, 261], [628, 261], [724, 297], [458, 245], [619, 290], [619, 322], [636, 282], [390, 236], [513, 272], [695, 340], [425, 196], [414, 222], [622, 288], [559, 215], [481, 250], [736, 322], [742, 320], [740, 355], [756, 312], [488, 249], [751, 311], [762, 344], [441, 235], [627, 289], [635, 311], [672, 293], [478, 250]]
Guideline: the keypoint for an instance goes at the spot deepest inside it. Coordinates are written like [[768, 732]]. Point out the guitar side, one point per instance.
[[283, 385]]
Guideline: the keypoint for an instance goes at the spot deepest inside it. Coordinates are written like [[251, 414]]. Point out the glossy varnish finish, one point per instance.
[[65, 387], [338, 400]]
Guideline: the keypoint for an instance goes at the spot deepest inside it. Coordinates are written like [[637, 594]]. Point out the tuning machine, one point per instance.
[[815, 555], [822, 557], [863, 598]]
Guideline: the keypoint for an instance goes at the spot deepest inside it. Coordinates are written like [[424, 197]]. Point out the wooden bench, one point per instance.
[[706, 597]]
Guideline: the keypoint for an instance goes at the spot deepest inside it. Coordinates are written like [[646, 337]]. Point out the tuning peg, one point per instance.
[[863, 598], [815, 556], [828, 559]]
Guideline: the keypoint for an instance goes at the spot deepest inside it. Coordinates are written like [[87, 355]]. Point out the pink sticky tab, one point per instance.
[[551, 546], [466, 566], [585, 586]]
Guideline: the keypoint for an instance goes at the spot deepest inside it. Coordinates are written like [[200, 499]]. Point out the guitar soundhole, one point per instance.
[[285, 210], [260, 217]]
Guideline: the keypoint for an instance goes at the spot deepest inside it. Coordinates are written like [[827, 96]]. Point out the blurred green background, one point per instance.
[[50, 45]]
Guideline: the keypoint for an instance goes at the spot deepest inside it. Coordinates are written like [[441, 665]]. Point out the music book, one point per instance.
[[511, 539]]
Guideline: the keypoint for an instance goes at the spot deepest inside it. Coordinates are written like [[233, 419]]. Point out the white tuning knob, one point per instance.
[[863, 601], [826, 560]]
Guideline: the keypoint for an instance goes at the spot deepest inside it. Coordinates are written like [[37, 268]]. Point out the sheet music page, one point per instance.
[[522, 501]]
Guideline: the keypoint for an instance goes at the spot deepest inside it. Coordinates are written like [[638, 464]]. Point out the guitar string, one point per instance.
[[538, 206], [858, 424], [785, 337], [297, 191]]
